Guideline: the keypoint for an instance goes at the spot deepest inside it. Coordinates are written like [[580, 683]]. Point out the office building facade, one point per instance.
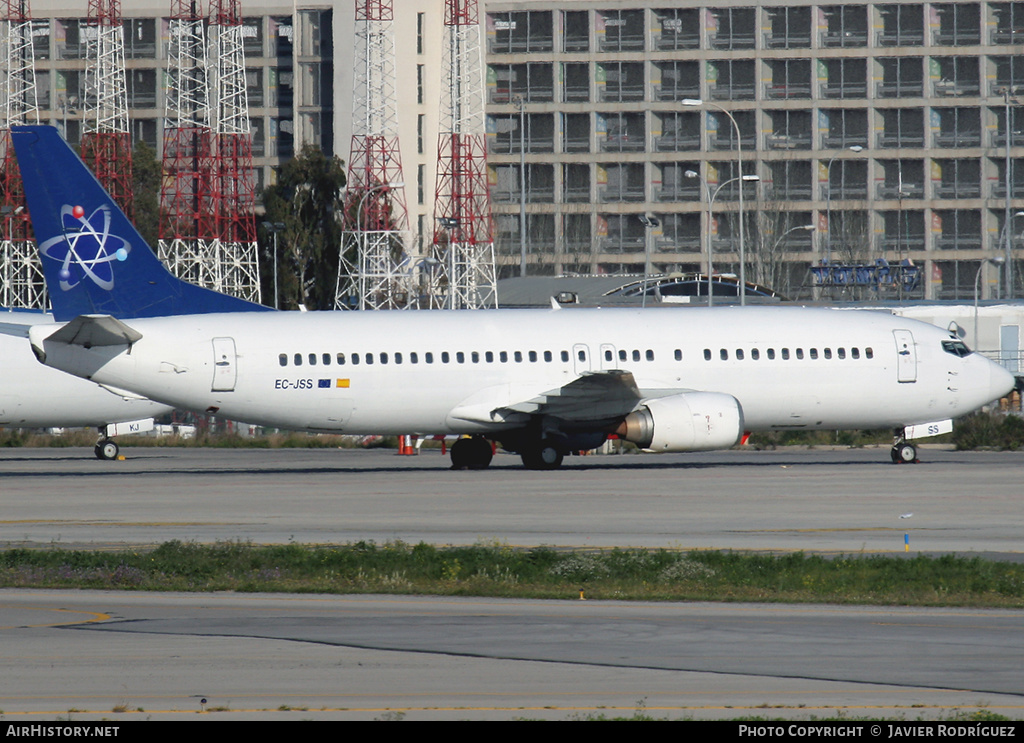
[[877, 132]]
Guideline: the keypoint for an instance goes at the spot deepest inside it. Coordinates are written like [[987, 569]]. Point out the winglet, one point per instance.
[[94, 260]]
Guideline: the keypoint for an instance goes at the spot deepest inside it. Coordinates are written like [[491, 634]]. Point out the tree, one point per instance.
[[306, 198], [147, 175]]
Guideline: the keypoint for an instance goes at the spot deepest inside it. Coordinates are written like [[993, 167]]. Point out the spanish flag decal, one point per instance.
[[342, 383]]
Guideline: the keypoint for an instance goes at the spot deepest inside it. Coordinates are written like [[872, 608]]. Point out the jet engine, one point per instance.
[[693, 421]]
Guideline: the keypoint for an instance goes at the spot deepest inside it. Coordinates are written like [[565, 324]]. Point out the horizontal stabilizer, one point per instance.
[[13, 329], [90, 331]]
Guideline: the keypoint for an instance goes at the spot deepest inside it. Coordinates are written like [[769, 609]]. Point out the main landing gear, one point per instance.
[[474, 453], [106, 449], [903, 452], [543, 455]]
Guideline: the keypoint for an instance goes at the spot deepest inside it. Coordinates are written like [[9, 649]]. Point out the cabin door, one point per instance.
[[906, 356], [224, 365]]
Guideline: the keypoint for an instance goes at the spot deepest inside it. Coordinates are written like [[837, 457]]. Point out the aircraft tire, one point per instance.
[[544, 456], [472, 454], [107, 449], [904, 454]]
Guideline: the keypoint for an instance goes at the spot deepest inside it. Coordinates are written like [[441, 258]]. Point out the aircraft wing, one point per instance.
[[592, 396]]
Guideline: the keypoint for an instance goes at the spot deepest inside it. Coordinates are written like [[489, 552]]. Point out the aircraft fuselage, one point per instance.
[[480, 372]]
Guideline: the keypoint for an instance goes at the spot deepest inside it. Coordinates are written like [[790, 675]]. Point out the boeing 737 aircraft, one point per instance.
[[33, 396], [541, 383]]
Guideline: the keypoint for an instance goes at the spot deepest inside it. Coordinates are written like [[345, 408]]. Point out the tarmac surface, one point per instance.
[[110, 654]]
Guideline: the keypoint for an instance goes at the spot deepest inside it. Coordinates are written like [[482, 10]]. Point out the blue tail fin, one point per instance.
[[94, 260]]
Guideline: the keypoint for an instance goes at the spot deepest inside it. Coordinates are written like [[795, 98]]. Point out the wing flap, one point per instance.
[[593, 396]]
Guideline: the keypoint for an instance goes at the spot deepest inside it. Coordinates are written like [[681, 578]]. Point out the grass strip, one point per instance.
[[542, 572]]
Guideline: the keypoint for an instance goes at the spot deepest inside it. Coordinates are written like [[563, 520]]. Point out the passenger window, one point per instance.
[[622, 355], [282, 359], [547, 356], [489, 357], [475, 357], [636, 355], [369, 358], [679, 354], [841, 352], [565, 356], [312, 359], [724, 355], [503, 357], [414, 358], [828, 353], [771, 354], [650, 355], [855, 353], [460, 357], [445, 358], [799, 353], [355, 359], [518, 356], [755, 354], [868, 353], [298, 359], [814, 353], [533, 356], [607, 354], [707, 354], [429, 357], [739, 354], [341, 359], [383, 357], [785, 354], [398, 357]]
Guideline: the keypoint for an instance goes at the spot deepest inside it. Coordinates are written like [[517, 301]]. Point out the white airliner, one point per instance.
[[542, 383], [33, 396]]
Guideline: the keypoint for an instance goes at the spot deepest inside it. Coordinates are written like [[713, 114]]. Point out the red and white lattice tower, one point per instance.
[[463, 228], [370, 274], [233, 177], [22, 275], [188, 225], [106, 139]]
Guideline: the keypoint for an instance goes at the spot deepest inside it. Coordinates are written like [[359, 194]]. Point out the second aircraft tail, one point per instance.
[[94, 260]]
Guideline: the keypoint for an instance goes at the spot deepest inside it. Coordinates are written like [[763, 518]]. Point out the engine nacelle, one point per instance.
[[692, 421]]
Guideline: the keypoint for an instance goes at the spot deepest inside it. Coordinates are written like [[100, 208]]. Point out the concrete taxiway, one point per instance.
[[813, 500], [136, 656], [357, 657]]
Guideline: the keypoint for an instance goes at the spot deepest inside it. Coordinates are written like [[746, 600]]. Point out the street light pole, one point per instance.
[[711, 215], [649, 223], [449, 224], [739, 176], [828, 200], [1008, 255], [518, 101], [273, 228], [997, 261]]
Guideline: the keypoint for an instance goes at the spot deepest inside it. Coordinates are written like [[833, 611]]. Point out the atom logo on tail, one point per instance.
[[85, 249]]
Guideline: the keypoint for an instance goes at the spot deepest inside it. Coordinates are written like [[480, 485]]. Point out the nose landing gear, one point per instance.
[[903, 452], [106, 449]]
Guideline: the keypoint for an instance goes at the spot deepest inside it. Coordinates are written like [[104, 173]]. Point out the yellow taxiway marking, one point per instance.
[[92, 616]]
